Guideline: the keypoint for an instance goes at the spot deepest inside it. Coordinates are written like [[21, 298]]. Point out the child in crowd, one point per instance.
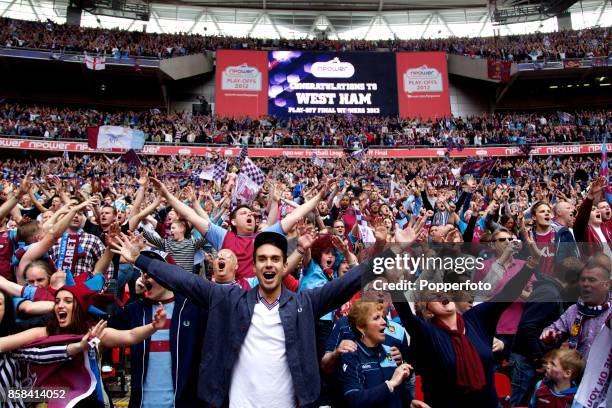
[[563, 367]]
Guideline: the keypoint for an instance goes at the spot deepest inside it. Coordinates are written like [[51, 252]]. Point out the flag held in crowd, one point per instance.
[[244, 153], [115, 137], [253, 172], [565, 117], [317, 161], [214, 172], [76, 376], [477, 167], [246, 189], [95, 63], [595, 384], [131, 159], [359, 154]]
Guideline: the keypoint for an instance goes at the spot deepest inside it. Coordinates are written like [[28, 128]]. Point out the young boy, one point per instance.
[[558, 387]]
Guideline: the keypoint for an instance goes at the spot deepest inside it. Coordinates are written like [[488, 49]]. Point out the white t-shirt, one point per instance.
[[261, 377]]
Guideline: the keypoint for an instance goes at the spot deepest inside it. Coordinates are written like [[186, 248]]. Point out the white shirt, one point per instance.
[[261, 377], [604, 241]]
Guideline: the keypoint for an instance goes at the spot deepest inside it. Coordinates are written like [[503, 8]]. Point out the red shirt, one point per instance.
[[546, 243]]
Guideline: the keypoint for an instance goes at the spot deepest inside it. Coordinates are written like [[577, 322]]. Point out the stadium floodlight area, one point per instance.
[[132, 9], [416, 23], [517, 11]]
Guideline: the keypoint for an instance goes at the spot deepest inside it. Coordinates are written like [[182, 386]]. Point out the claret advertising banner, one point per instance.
[[299, 83], [422, 79], [242, 83]]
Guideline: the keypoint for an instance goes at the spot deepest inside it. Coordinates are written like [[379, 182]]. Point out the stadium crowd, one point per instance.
[[341, 130], [587, 43], [252, 282]]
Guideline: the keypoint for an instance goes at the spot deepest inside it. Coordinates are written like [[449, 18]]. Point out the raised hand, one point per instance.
[[159, 186], [407, 236], [144, 176], [400, 374], [95, 333], [306, 237], [126, 247], [380, 232], [325, 187], [26, 185], [159, 320], [340, 245], [596, 187]]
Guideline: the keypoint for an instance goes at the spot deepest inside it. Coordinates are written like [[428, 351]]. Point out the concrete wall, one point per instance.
[[469, 97], [183, 94], [472, 67], [187, 66]]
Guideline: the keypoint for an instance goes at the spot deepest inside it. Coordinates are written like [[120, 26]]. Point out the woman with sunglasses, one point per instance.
[[453, 351]]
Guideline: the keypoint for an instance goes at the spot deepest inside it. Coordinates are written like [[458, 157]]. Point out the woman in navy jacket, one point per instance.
[[369, 376], [453, 352]]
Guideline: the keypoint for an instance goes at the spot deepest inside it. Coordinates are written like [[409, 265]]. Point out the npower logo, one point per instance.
[[242, 71], [151, 149], [333, 69]]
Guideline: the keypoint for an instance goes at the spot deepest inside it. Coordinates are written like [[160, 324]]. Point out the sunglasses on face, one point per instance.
[[504, 239], [440, 297]]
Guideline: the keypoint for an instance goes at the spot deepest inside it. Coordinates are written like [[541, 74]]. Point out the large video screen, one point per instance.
[[299, 83], [320, 83]]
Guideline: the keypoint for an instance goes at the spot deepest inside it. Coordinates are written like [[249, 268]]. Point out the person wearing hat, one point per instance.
[[259, 346], [173, 349]]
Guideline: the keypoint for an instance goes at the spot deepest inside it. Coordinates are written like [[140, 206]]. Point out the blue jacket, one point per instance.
[[362, 375], [186, 335], [230, 310]]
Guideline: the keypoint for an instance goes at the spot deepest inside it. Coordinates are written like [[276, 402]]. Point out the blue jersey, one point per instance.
[[362, 377]]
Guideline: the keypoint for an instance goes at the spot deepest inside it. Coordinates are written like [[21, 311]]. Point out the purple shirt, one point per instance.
[[590, 327]]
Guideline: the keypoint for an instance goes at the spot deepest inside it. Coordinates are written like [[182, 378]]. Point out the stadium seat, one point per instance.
[[503, 386], [418, 388]]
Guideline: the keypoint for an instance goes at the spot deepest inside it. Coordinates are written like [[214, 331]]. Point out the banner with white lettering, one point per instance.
[[594, 388], [299, 153], [241, 83], [423, 85]]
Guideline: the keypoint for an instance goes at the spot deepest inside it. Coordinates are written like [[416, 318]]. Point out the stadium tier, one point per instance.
[[194, 220]]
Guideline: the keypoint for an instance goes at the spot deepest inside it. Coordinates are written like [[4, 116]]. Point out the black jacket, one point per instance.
[[544, 306]]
